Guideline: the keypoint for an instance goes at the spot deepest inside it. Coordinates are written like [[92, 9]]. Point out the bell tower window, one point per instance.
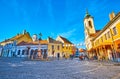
[[90, 24]]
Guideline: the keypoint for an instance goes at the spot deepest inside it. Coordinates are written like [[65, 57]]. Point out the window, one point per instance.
[[23, 51], [101, 39], [58, 47], [27, 52], [114, 31], [18, 52], [105, 37], [90, 24], [108, 34], [66, 47], [52, 47]]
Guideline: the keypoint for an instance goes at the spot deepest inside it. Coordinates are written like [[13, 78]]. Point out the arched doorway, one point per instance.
[[23, 53], [31, 54], [18, 53], [45, 54], [35, 54], [28, 51], [58, 55], [8, 52]]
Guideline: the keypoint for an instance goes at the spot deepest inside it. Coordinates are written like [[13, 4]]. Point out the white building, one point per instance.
[[1, 48], [26, 49], [32, 50], [9, 49]]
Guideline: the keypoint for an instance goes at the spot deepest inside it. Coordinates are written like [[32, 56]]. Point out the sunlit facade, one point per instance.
[[25, 36], [105, 44], [68, 47], [54, 48], [10, 45]]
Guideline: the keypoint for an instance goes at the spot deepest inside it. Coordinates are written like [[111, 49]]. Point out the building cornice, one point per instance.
[[107, 26]]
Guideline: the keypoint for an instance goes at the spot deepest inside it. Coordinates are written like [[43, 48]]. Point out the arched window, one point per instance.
[[58, 47], [23, 51], [36, 51], [32, 51], [18, 52], [27, 52], [90, 24]]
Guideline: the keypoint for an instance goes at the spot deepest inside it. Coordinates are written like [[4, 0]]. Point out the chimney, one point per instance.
[[111, 15]]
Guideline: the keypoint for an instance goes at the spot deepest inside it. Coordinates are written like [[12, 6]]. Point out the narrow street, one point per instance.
[[18, 68]]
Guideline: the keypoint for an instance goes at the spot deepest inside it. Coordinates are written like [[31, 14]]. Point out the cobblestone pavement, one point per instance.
[[18, 68]]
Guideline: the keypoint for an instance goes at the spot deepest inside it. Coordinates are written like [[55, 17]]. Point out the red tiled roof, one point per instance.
[[17, 37], [26, 43], [33, 43], [43, 42], [94, 34], [51, 40], [65, 40]]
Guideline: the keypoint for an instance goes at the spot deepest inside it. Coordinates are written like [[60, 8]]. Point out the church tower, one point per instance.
[[88, 25]]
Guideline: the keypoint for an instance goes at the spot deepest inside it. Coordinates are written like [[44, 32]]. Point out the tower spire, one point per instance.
[[87, 14], [87, 11]]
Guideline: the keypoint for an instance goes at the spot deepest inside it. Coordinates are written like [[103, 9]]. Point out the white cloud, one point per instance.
[[68, 34]]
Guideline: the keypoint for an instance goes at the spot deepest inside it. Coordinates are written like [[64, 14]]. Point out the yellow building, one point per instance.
[[54, 48], [68, 47], [105, 44], [25, 36]]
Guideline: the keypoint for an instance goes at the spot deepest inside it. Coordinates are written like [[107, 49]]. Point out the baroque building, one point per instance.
[[54, 48], [68, 47], [9, 45], [105, 43]]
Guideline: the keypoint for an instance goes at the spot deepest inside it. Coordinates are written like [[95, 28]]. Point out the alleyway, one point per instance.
[[17, 68]]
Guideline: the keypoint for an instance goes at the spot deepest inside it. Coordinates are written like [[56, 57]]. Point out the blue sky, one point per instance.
[[53, 17]]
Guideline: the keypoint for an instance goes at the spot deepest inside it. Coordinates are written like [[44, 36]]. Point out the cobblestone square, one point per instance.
[[19, 68]]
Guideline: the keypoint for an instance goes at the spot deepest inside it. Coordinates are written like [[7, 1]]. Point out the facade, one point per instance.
[[1, 49], [90, 32], [9, 49], [32, 50], [54, 48], [104, 44], [26, 49], [22, 45], [68, 47], [10, 45], [25, 36]]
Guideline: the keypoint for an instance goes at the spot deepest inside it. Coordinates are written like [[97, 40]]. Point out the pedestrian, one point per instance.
[[58, 56], [86, 57], [71, 57], [81, 57]]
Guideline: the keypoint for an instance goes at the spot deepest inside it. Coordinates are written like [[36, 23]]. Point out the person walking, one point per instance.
[[58, 56]]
